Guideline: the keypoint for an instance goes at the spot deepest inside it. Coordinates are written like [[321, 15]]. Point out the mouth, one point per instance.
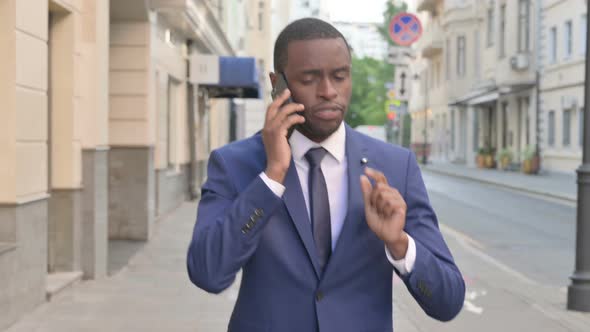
[[328, 112]]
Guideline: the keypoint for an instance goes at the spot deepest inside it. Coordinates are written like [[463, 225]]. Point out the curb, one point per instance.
[[565, 198]]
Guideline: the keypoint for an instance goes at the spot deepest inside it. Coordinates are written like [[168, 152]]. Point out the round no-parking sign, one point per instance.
[[405, 29]]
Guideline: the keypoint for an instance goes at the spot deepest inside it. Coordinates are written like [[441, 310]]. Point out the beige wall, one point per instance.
[[563, 79], [8, 128], [72, 49], [169, 65], [94, 73], [31, 100], [129, 120]]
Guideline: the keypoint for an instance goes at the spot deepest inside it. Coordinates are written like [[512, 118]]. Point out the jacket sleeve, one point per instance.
[[228, 227], [435, 281]]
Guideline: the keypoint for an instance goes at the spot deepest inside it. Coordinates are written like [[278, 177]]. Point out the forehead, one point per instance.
[[317, 54]]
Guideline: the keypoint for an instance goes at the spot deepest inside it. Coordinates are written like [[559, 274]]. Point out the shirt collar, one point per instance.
[[334, 144]]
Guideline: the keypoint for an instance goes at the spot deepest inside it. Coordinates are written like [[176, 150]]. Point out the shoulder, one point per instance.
[[384, 149], [245, 154]]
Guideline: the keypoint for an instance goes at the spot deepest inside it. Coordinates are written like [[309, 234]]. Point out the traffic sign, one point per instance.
[[405, 29], [402, 83], [400, 56], [391, 94]]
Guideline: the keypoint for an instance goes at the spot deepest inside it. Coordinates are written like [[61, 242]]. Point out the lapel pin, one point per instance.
[[364, 161]]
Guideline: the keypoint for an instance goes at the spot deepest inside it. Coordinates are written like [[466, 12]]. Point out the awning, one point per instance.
[[469, 97], [490, 94], [225, 77], [485, 98]]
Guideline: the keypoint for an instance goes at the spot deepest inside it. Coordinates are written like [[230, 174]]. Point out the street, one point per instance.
[[516, 255], [515, 251]]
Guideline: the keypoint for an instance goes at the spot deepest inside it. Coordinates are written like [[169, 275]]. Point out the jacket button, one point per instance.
[[319, 295], [259, 212]]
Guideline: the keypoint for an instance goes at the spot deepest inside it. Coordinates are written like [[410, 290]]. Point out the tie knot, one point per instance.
[[314, 156]]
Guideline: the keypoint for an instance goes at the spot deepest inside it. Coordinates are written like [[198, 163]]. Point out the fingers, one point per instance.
[[275, 111], [276, 104], [385, 200], [376, 175], [366, 188]]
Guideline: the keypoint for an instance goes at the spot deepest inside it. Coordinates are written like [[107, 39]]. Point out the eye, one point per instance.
[[307, 80], [341, 76]]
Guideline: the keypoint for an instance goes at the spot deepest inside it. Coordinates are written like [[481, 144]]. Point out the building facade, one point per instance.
[[480, 73], [364, 39], [108, 121], [562, 83]]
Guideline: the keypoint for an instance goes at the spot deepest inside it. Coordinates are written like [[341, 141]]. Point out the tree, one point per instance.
[[368, 92]]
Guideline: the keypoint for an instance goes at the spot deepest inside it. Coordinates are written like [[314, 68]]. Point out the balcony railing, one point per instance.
[[432, 41]]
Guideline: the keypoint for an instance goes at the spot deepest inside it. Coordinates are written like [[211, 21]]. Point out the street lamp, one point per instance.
[[578, 293]]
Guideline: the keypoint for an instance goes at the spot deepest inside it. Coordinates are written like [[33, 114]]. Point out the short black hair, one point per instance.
[[302, 29]]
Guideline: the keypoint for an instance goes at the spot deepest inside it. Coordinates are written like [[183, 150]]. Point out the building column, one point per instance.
[[94, 107], [23, 152], [131, 172]]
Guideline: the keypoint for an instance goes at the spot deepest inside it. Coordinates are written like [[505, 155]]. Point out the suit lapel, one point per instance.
[[293, 198], [356, 207]]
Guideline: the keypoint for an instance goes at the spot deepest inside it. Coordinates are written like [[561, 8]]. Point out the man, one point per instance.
[[316, 240]]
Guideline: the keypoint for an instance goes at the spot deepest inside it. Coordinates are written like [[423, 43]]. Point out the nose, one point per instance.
[[326, 89]]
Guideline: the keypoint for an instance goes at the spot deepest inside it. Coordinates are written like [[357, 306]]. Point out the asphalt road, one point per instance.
[[516, 254]]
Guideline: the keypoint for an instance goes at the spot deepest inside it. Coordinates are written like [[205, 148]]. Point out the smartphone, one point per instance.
[[280, 86]]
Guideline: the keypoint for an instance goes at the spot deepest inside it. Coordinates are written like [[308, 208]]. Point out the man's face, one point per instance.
[[319, 76]]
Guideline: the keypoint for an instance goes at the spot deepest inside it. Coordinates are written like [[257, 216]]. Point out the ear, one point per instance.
[[273, 79]]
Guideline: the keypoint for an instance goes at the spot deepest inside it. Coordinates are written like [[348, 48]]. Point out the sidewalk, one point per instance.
[[558, 186], [151, 293]]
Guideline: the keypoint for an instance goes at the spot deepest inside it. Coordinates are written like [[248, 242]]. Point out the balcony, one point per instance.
[[432, 41], [428, 5], [196, 20]]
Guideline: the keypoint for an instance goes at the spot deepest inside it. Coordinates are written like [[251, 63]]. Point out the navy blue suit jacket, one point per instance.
[[242, 224]]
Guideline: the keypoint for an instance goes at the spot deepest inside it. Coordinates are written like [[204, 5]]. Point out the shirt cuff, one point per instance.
[[277, 188], [405, 265]]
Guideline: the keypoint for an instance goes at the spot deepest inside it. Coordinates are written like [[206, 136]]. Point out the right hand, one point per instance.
[[274, 135]]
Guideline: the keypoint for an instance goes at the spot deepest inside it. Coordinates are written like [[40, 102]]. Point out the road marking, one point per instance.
[[467, 305], [470, 244], [460, 235]]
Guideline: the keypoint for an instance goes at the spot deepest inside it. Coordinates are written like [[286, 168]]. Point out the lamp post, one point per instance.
[[578, 293]]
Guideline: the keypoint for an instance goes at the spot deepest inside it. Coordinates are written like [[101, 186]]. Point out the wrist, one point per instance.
[[399, 247], [276, 174]]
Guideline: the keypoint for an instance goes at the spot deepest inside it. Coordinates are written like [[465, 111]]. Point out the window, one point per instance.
[[476, 53], [583, 33], [504, 125], [453, 130], [567, 39], [502, 48], [490, 29], [461, 56], [567, 127], [476, 129], [553, 45], [260, 16], [448, 60], [551, 129], [170, 122], [523, 25], [437, 74], [581, 126]]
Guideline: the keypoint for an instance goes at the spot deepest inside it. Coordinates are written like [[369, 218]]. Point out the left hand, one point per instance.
[[385, 211]]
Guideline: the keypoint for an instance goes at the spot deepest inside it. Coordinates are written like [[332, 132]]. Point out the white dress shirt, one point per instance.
[[334, 167]]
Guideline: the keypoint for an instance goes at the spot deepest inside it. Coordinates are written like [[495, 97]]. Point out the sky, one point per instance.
[[358, 10]]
